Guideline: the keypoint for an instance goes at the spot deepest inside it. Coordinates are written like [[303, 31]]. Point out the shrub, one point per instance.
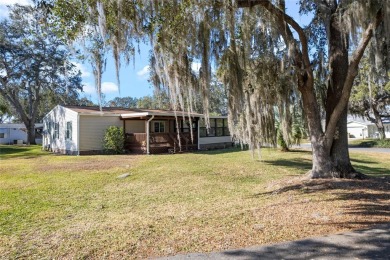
[[385, 143], [114, 140]]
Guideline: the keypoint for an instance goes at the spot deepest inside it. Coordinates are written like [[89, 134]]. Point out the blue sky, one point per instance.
[[134, 77]]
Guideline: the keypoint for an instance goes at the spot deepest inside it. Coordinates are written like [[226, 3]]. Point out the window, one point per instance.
[[68, 133], [218, 127], [2, 135], [48, 125], [56, 131], [159, 127]]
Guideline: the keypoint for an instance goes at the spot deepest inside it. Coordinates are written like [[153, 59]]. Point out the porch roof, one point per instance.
[[128, 112], [159, 113]]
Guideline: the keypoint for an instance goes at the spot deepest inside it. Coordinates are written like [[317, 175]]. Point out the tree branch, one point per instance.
[[351, 74], [287, 19]]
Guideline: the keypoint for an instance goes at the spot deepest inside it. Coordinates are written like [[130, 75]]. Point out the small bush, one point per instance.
[[114, 140], [385, 143]]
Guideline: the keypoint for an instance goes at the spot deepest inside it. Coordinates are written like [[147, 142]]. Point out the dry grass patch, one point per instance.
[[76, 207]]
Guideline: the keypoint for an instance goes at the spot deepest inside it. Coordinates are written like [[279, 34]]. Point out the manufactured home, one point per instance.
[[80, 130], [361, 128], [17, 133]]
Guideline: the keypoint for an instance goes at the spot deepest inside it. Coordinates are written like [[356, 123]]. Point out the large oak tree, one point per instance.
[[263, 56], [34, 65]]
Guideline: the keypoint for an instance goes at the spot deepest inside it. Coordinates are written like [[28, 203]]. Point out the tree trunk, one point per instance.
[[330, 146], [322, 163], [338, 62], [30, 126], [379, 123]]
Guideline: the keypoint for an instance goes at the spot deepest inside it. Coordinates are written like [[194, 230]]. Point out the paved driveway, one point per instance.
[[307, 146]]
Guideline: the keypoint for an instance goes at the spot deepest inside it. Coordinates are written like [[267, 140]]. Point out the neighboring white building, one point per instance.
[[17, 133], [360, 128], [80, 130]]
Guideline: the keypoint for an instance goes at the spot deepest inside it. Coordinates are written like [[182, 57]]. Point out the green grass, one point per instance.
[[76, 207], [371, 143], [12, 151]]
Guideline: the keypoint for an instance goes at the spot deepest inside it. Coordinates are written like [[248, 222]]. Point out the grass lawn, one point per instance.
[[55, 206], [370, 143]]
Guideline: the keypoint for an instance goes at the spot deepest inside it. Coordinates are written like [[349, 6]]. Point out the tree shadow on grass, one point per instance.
[[219, 151], [306, 164], [353, 160], [367, 197], [13, 149], [360, 244], [372, 171], [298, 164]]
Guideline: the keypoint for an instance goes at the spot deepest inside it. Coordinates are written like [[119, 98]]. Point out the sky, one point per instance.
[[134, 77]]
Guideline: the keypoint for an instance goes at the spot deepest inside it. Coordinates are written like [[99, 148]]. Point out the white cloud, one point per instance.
[[144, 73], [12, 2], [108, 87], [84, 72], [4, 12], [88, 88]]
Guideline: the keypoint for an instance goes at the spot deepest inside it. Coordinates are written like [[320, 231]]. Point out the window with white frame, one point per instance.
[[68, 132], [159, 126]]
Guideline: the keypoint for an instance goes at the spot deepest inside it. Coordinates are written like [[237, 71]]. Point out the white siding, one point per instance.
[[387, 130], [135, 126], [60, 115], [356, 130], [13, 132], [214, 140], [92, 130]]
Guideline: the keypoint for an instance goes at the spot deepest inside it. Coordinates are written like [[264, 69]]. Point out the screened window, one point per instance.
[[185, 126], [159, 127], [218, 127], [68, 133], [2, 135]]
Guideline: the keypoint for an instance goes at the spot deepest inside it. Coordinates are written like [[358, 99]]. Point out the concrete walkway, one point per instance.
[[373, 243]]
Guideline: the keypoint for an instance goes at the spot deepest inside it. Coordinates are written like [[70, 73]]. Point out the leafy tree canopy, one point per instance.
[[264, 58], [34, 65], [370, 96]]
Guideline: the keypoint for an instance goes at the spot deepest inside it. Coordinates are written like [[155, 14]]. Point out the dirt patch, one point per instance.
[[90, 163]]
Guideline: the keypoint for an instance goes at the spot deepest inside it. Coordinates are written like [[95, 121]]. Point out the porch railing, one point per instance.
[[171, 139]]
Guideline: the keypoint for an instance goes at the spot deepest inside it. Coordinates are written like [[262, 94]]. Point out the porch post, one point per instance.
[[124, 128], [197, 122], [147, 135]]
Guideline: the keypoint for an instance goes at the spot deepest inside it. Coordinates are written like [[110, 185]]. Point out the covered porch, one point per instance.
[[154, 132]]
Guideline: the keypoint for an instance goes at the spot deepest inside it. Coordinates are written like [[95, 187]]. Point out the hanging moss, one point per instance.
[[243, 47]]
